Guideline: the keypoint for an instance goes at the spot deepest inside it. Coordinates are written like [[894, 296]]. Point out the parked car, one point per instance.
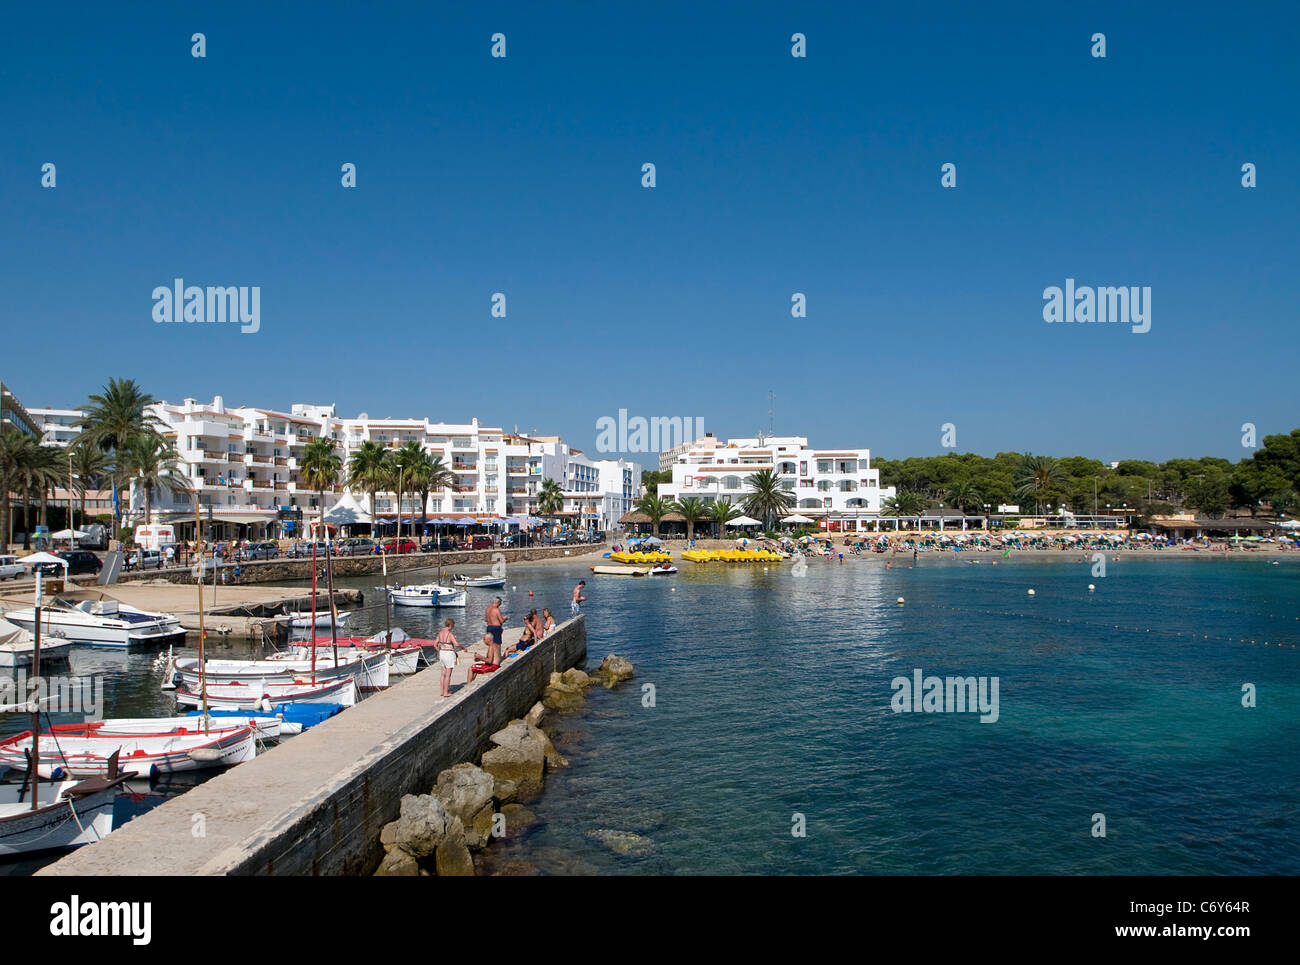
[[262, 551], [142, 559], [399, 546], [355, 546], [303, 549], [79, 561], [444, 543], [10, 568], [482, 542]]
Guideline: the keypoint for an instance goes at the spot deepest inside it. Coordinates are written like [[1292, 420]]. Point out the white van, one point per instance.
[[154, 537], [10, 568]]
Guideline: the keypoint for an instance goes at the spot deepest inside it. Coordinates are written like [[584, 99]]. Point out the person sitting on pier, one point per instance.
[[548, 621], [447, 647], [532, 631]]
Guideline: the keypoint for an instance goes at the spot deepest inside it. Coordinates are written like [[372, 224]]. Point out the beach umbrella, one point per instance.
[[653, 541], [743, 521], [69, 534], [797, 519], [38, 558], [465, 522]]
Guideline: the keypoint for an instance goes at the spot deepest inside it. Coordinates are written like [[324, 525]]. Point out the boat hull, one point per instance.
[[84, 753], [52, 826], [247, 698]]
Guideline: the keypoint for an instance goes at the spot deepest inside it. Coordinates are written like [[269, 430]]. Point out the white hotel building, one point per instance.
[[837, 488], [243, 463]]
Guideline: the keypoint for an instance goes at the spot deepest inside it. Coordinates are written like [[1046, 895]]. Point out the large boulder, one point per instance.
[[518, 757], [576, 678], [398, 864], [534, 715], [453, 858], [518, 819], [504, 791], [563, 698], [614, 670], [478, 829], [464, 790], [421, 827]]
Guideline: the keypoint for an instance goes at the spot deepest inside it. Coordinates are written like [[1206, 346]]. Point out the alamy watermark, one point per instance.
[[1125, 305], [55, 695], [190, 303], [946, 695], [639, 434]]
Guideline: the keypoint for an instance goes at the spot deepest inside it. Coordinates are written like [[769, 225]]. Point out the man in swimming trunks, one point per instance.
[[575, 606], [495, 621]]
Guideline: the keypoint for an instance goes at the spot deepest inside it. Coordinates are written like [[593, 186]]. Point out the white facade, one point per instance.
[[58, 426], [828, 484], [244, 464]]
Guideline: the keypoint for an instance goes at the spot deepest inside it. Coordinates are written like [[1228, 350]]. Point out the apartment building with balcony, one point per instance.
[[59, 427], [243, 464], [836, 487]]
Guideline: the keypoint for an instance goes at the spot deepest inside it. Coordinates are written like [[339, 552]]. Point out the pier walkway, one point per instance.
[[315, 804]]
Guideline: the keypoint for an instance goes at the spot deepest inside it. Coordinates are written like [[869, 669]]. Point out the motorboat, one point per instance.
[[404, 658], [81, 750], [620, 570], [427, 595], [98, 623], [478, 582], [185, 670], [17, 647], [663, 569]]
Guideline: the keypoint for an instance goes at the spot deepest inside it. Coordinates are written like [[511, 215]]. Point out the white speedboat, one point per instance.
[[663, 570], [68, 815], [99, 623], [17, 646], [478, 582], [82, 751], [245, 697], [427, 595]]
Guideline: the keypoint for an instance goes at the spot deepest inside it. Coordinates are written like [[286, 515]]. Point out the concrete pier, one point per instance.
[[316, 803]]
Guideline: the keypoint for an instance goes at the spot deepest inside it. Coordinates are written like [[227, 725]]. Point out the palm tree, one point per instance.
[[91, 468], [1039, 477], [49, 473], [319, 467], [692, 508], [656, 507], [550, 498], [410, 462], [15, 452], [152, 463], [768, 499], [907, 502], [722, 512], [368, 471], [434, 476], [116, 415], [965, 496], [17, 456]]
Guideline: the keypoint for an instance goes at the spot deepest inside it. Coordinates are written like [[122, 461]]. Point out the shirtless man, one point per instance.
[[575, 606], [495, 621]]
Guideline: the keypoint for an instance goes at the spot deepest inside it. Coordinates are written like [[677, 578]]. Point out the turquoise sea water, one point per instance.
[[772, 698]]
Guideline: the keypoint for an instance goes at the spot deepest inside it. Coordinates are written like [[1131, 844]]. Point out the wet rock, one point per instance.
[[518, 819], [421, 827], [517, 869], [478, 830], [626, 843], [464, 790], [518, 757], [534, 715], [504, 791], [397, 864], [613, 670], [453, 858], [563, 697], [576, 678], [640, 820]]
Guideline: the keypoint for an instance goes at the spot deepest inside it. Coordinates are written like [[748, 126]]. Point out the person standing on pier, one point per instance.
[[447, 647], [492, 638], [575, 607]]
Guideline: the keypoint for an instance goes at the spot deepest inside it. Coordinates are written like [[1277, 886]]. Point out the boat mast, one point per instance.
[[203, 667], [36, 696], [313, 610], [329, 580]]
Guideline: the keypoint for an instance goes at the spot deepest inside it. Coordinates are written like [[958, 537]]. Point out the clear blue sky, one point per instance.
[[775, 175]]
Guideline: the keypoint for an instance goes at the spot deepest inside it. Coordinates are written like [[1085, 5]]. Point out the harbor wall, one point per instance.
[[282, 568], [316, 803]]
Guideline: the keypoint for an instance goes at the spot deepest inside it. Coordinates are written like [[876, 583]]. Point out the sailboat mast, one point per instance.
[[203, 667], [329, 582], [313, 611], [36, 698]]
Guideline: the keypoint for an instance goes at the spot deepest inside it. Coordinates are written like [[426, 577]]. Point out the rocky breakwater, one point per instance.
[[471, 805]]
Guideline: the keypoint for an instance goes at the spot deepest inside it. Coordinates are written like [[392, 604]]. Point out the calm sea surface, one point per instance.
[[771, 700]]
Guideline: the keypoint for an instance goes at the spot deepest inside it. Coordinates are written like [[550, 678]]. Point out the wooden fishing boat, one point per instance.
[[75, 813], [80, 751], [246, 697]]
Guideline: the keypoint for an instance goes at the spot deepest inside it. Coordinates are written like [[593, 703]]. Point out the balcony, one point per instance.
[[281, 461], [465, 489]]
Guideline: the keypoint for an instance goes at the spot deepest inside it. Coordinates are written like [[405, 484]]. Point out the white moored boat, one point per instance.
[[79, 750], [427, 595], [403, 658], [240, 696], [99, 623], [68, 815], [479, 582], [265, 727], [185, 670], [303, 620], [17, 646], [374, 666]]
